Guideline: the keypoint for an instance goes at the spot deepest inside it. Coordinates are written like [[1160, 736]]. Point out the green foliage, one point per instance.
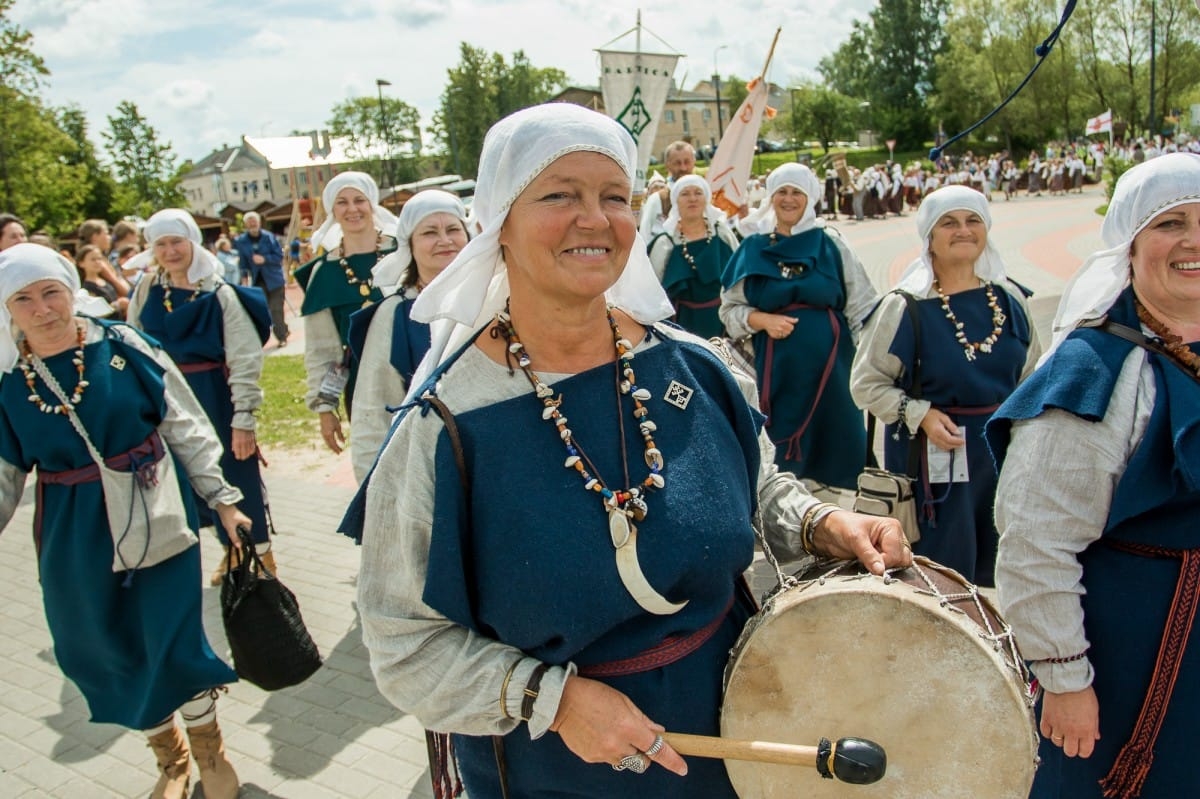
[[283, 419], [482, 89], [387, 135], [1113, 169], [818, 112], [148, 177], [734, 89]]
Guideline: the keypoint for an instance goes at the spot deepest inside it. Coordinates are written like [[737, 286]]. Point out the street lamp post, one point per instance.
[[384, 171], [795, 125], [717, 89]]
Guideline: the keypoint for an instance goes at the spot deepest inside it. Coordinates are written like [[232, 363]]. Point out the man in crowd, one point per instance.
[[261, 259], [680, 160]]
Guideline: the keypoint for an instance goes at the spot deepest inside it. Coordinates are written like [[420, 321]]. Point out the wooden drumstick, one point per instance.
[[852, 760]]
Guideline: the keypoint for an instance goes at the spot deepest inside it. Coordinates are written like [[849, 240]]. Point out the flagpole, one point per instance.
[[1110, 132], [771, 53]]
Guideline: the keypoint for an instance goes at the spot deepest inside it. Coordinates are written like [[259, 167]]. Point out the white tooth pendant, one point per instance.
[[654, 459], [544, 390], [642, 394]]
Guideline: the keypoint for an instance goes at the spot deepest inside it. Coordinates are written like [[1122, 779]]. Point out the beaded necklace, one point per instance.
[[1172, 343], [971, 347], [27, 357], [628, 502], [683, 250], [165, 282], [364, 284]]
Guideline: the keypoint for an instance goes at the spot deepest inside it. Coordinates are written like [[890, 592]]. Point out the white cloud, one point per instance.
[[185, 94], [266, 41]]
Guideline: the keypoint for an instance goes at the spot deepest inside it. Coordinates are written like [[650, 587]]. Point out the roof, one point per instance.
[[285, 152], [226, 159]]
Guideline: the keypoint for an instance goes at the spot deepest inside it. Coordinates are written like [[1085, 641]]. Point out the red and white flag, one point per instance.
[[1100, 124], [729, 172]]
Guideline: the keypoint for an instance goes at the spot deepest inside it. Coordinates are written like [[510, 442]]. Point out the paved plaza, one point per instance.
[[335, 736]]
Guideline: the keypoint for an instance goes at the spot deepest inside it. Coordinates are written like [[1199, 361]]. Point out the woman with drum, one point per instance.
[[385, 340], [338, 282], [690, 253], [969, 338], [802, 294], [214, 331], [1098, 500], [557, 619], [125, 614]]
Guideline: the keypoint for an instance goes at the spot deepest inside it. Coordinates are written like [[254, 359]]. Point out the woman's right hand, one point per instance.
[[943, 432], [331, 431], [601, 725], [1072, 721]]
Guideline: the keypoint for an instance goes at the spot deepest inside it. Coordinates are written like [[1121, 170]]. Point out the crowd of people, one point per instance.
[[716, 371]]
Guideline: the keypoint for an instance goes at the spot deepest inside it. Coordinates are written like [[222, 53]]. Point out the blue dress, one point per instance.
[[1134, 571], [956, 519], [530, 562], [138, 651], [193, 334], [695, 290], [804, 379], [410, 339]]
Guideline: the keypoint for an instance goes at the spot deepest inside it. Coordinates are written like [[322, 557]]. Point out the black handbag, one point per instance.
[[270, 645]]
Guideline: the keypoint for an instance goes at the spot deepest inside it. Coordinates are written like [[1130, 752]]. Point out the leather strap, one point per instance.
[[1140, 339]]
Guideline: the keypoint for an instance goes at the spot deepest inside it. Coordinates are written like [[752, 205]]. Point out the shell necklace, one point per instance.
[[364, 284], [683, 250], [164, 280], [27, 357], [998, 318]]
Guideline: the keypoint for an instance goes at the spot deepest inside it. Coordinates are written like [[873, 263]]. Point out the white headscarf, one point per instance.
[[390, 270], [798, 176], [712, 214], [177, 222], [516, 150], [329, 234], [1145, 191], [22, 265], [917, 277]]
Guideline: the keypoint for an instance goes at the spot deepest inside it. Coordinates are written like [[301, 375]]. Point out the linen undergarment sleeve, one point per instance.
[[243, 357], [1052, 501], [875, 371], [735, 311], [322, 349], [660, 253], [186, 428], [651, 211], [379, 386], [12, 486], [861, 295]]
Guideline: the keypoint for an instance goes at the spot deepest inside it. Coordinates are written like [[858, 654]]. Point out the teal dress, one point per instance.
[[133, 642], [693, 283]]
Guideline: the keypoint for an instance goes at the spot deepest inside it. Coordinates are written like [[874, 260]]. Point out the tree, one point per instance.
[[21, 74], [388, 135], [822, 113], [482, 89], [100, 189], [146, 173]]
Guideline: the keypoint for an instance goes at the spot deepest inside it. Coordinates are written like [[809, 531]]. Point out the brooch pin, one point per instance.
[[679, 395], [117, 362]]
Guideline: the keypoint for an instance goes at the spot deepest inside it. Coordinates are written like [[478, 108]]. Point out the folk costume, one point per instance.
[[954, 505], [812, 276], [133, 640], [335, 286], [384, 338], [690, 271], [1098, 498], [476, 612], [214, 333]]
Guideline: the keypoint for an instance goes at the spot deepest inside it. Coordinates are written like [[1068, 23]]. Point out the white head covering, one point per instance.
[[917, 277], [329, 234], [797, 176], [177, 222], [390, 269], [22, 265], [1141, 194], [712, 214], [516, 150], [655, 181]]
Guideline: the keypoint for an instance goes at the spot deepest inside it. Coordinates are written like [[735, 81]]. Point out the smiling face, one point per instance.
[[1166, 264], [790, 204], [437, 239], [173, 253], [352, 210], [568, 235], [958, 237], [44, 312]]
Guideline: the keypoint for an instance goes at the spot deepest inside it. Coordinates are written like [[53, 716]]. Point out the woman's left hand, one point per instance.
[[243, 444], [877, 542], [231, 519]]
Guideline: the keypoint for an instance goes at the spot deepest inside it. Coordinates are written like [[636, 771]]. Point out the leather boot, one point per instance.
[[216, 772], [174, 765], [268, 561], [218, 575]]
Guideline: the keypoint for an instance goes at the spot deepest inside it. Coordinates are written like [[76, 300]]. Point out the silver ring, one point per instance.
[[656, 747], [636, 763]]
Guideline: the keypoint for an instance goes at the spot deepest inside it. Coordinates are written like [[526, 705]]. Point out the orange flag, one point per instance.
[[729, 172]]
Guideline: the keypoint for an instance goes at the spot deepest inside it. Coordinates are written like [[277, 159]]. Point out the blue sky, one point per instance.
[[205, 72]]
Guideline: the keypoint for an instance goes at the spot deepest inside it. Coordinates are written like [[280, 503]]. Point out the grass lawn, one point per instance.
[[284, 420]]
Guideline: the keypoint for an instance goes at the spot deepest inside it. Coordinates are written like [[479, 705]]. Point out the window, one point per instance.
[[707, 115], [669, 115]]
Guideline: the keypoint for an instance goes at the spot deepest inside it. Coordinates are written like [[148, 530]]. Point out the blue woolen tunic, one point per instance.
[[136, 652], [410, 338], [1156, 502], [193, 333], [804, 379], [695, 291], [957, 528], [530, 562]]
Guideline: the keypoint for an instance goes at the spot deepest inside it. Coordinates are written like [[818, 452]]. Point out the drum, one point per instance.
[[918, 662]]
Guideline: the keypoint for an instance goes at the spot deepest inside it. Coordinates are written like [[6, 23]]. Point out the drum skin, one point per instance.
[[891, 662]]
